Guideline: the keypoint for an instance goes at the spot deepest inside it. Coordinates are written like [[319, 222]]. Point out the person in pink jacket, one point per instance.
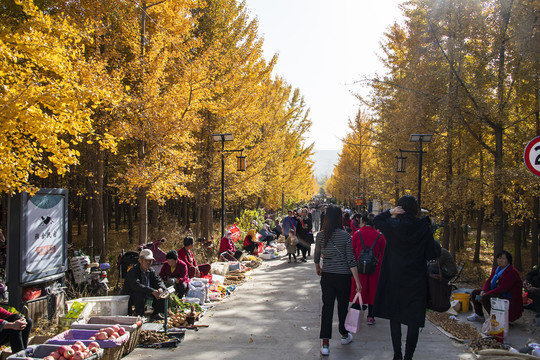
[[504, 283], [369, 281]]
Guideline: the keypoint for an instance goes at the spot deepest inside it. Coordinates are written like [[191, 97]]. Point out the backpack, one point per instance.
[[367, 262]]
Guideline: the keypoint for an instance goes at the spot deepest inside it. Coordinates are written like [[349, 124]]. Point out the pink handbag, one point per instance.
[[354, 316]]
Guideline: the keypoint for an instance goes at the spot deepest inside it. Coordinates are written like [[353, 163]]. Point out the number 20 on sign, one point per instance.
[[532, 156]]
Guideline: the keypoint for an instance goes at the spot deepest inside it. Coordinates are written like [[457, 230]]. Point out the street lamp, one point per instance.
[[400, 160], [240, 166]]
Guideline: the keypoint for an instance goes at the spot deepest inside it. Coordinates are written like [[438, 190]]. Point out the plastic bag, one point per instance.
[[198, 292], [499, 319], [355, 315]]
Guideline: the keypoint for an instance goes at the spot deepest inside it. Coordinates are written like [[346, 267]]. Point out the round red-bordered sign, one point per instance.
[[532, 156]]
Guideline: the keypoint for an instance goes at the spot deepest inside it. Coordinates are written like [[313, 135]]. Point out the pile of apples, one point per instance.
[[109, 333], [77, 351]]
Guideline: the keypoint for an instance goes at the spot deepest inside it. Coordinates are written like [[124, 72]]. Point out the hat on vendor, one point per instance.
[[146, 254]]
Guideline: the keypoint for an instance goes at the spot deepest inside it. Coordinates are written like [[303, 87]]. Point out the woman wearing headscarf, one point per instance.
[[227, 250], [251, 245], [402, 290]]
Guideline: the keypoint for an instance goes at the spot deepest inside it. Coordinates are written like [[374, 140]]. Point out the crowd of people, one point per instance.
[[399, 239], [145, 285], [402, 242]]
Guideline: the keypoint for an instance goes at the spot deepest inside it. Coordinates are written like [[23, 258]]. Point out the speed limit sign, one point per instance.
[[532, 156]]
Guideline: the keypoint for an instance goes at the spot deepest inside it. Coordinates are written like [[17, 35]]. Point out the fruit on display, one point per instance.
[[110, 333], [77, 351]]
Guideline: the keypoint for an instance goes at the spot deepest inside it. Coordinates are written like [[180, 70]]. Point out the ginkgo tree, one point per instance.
[[44, 109]]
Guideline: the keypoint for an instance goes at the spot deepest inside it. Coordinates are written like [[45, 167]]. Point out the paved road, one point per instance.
[[276, 315]]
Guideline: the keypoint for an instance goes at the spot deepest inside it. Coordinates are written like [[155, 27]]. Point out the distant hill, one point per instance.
[[324, 162]]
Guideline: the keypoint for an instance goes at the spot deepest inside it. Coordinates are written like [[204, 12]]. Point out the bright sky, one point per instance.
[[324, 47]]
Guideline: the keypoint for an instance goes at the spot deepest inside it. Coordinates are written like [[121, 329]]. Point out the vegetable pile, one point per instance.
[[150, 337], [77, 351], [459, 330]]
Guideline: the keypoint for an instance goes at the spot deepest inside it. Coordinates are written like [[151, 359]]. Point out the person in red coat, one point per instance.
[[227, 250], [504, 283], [15, 329], [369, 281], [186, 255], [175, 272]]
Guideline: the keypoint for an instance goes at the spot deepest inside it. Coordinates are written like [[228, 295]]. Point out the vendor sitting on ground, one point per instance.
[[15, 329], [251, 245], [143, 283], [175, 272], [186, 255], [227, 250], [266, 234], [532, 286], [504, 283]]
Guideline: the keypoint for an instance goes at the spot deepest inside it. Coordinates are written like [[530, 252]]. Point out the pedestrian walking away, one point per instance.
[[402, 291], [368, 236], [334, 245]]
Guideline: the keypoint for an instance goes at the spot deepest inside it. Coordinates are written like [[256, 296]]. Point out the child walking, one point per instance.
[[291, 242]]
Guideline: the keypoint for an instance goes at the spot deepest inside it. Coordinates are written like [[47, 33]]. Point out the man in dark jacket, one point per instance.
[[142, 284], [532, 286]]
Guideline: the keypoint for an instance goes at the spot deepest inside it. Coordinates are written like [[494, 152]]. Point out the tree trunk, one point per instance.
[[81, 215], [154, 220], [446, 231], [143, 216], [459, 233], [525, 233], [517, 247], [131, 238], [89, 221], [452, 239], [117, 213], [479, 223], [97, 203], [534, 235]]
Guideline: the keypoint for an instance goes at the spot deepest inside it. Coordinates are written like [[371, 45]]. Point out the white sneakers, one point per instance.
[[325, 350], [346, 340], [475, 317]]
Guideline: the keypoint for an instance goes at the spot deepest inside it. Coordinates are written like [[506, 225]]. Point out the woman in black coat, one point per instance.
[[402, 290]]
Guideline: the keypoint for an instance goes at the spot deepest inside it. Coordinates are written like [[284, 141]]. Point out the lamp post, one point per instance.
[[241, 166], [401, 160]]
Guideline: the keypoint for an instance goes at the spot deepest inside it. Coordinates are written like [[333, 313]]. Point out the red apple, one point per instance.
[[76, 347], [116, 328], [55, 354], [68, 354], [61, 349], [122, 331]]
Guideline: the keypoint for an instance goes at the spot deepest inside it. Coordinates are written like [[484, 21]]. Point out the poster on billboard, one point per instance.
[[45, 236], [37, 237]]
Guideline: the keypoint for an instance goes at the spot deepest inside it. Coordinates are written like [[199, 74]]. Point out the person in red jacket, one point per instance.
[[15, 329], [227, 250], [175, 272], [186, 255], [369, 281], [504, 283]]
